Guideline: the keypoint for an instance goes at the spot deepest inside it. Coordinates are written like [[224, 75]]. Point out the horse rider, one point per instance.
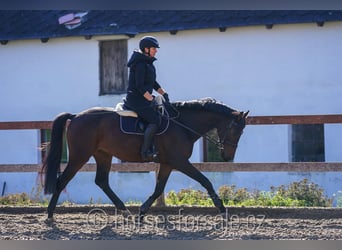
[[139, 98]]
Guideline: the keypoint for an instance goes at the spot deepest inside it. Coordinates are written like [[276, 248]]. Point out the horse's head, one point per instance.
[[230, 133]]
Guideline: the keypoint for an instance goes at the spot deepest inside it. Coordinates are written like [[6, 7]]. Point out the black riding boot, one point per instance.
[[146, 153]]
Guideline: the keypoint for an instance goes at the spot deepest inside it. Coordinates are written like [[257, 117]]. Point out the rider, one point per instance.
[[141, 83]]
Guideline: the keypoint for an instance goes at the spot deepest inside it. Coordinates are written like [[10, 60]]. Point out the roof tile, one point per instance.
[[26, 24]]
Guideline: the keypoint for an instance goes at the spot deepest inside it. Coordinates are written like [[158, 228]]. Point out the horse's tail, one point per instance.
[[52, 161]]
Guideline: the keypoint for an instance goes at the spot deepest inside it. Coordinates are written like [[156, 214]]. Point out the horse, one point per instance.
[[96, 132]]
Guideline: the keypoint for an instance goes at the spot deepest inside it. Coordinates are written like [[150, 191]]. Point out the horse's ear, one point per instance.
[[240, 116], [245, 114]]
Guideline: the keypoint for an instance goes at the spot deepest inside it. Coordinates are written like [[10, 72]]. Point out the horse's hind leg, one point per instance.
[[104, 162], [188, 169], [163, 176], [69, 172]]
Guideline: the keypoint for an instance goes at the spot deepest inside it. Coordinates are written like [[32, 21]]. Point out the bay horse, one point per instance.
[[96, 132]]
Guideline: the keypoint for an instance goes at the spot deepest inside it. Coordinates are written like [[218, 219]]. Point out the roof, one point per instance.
[[31, 24]]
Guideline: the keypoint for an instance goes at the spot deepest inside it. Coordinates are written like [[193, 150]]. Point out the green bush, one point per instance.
[[188, 197], [307, 194], [296, 194], [231, 196]]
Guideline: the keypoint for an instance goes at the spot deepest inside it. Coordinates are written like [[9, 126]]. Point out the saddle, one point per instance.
[[131, 123]]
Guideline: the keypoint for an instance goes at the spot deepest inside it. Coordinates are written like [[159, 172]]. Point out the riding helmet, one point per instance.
[[148, 42]]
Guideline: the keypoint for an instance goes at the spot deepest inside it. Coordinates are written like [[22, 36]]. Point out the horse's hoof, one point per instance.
[[49, 221], [126, 213], [223, 210]]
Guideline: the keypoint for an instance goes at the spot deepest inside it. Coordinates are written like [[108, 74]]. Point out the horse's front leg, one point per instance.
[[187, 168], [162, 177]]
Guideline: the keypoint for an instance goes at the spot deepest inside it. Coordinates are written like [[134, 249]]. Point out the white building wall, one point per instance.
[[287, 70]]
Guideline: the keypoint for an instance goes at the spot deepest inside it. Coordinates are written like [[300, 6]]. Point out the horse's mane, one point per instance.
[[204, 104]]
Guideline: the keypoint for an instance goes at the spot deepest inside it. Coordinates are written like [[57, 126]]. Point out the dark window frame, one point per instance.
[[307, 143]]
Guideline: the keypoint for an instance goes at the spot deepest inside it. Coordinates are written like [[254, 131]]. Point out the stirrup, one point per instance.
[[150, 157], [155, 158]]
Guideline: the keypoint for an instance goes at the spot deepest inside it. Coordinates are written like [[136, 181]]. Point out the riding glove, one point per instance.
[[166, 97]]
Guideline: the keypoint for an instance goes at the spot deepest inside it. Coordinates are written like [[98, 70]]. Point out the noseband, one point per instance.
[[225, 141]]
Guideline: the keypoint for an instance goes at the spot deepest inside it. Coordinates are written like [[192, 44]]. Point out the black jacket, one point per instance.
[[142, 78]]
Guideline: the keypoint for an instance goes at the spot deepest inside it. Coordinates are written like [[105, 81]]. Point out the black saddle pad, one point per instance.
[[135, 126]]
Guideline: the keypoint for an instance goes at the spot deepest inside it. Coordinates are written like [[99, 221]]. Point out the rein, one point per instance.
[[218, 144]]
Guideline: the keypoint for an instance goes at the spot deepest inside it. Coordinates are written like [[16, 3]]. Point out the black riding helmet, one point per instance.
[[148, 42]]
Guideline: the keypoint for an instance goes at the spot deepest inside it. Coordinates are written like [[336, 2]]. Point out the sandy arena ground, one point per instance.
[[105, 222]]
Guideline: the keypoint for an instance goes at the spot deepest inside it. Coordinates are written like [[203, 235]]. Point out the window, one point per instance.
[[307, 143], [45, 136], [113, 67]]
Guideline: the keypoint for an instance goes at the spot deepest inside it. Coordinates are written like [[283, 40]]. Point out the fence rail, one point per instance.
[[205, 167], [294, 119], [251, 120]]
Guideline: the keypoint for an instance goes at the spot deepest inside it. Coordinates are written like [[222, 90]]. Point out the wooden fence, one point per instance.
[[206, 166]]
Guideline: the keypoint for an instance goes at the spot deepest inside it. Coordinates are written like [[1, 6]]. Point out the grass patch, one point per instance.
[[35, 198]]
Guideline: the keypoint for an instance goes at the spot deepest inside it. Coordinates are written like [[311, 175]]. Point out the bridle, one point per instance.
[[225, 140], [219, 144]]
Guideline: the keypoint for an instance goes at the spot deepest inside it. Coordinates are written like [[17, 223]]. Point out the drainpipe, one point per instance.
[[3, 189]]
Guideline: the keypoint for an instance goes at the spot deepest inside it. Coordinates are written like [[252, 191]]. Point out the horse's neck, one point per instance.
[[201, 122]]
